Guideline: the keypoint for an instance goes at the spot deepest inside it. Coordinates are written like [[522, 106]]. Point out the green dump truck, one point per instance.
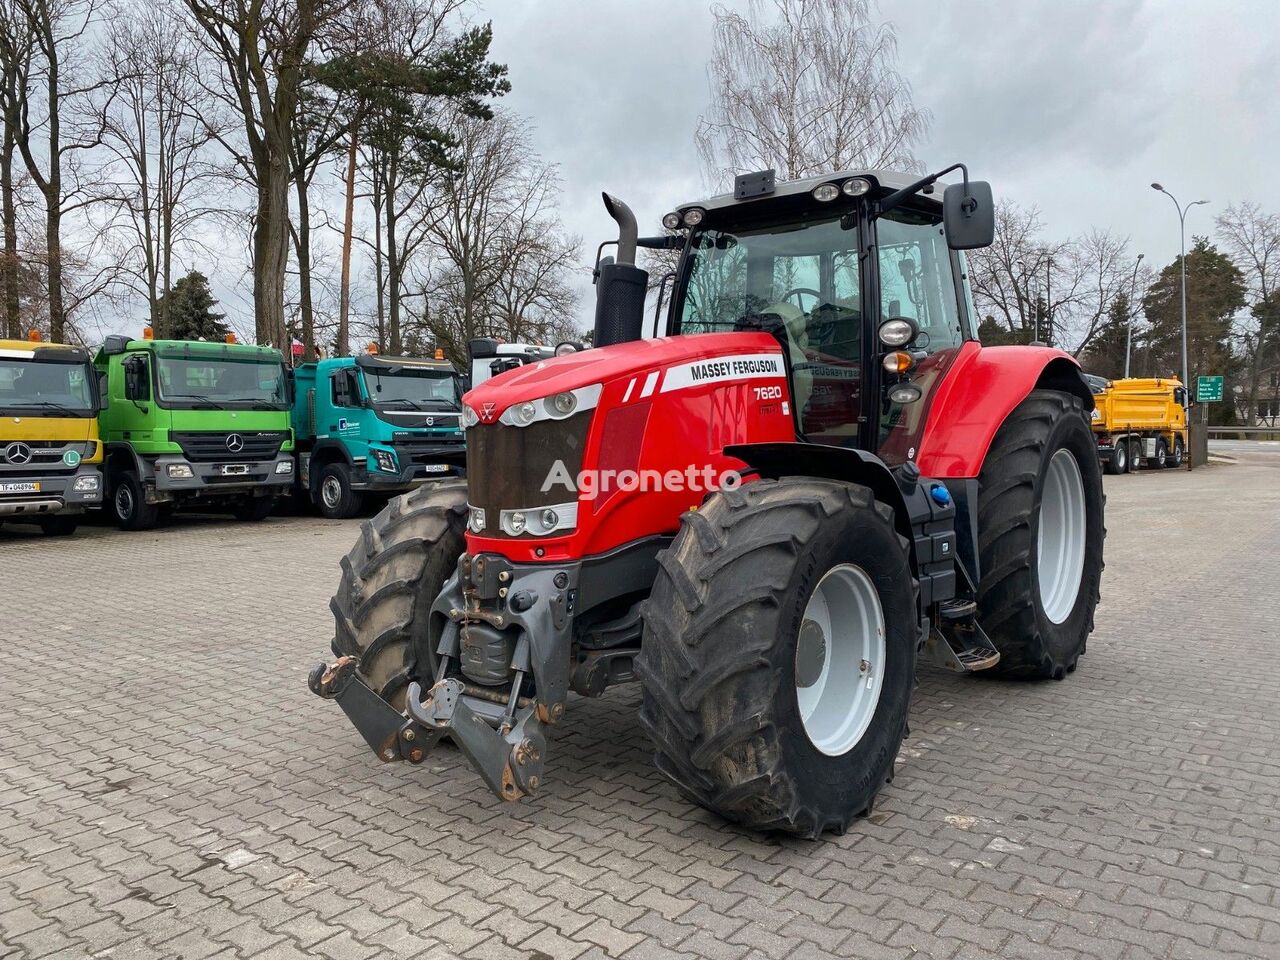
[[193, 421]]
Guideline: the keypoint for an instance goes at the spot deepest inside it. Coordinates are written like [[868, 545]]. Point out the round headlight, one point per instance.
[[562, 404], [517, 521], [476, 520], [549, 519], [905, 393], [469, 417], [671, 221], [825, 192], [524, 413], [897, 332], [693, 216], [566, 348], [855, 186]]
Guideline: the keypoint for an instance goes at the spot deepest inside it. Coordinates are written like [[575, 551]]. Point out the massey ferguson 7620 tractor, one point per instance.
[[765, 516]]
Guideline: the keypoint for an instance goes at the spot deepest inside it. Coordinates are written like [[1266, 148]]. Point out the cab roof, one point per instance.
[[881, 180], [29, 349]]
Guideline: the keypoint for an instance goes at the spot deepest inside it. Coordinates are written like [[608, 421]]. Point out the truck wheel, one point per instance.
[[129, 500], [253, 509], [1175, 459], [334, 497], [1162, 454], [390, 579], [779, 654], [1040, 533], [1119, 458], [59, 526]]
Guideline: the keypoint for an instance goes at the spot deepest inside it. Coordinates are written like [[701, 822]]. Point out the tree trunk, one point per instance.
[[379, 273], [9, 274], [271, 248], [344, 290], [302, 246]]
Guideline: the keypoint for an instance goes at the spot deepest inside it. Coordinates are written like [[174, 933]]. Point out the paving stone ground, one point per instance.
[[169, 788]]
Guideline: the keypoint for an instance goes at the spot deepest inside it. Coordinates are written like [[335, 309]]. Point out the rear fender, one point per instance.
[[984, 386]]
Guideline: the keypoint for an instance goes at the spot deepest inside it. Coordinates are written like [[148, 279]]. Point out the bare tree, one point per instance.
[[15, 51], [1252, 240], [156, 133], [806, 86], [261, 46]]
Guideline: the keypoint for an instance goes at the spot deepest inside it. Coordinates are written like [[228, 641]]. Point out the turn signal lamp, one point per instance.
[[899, 361], [230, 338], [372, 348], [439, 353], [148, 333], [34, 336]]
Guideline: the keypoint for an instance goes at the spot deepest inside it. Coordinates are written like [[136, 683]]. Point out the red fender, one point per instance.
[[981, 389]]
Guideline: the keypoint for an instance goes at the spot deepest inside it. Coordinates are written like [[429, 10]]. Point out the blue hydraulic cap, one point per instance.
[[941, 495]]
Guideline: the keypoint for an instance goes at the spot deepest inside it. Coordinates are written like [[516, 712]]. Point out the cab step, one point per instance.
[[961, 646]]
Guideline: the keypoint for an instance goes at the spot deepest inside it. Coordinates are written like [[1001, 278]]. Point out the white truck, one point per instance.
[[490, 356]]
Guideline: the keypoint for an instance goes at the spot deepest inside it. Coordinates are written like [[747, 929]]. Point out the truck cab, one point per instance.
[[490, 357], [374, 424], [50, 454], [191, 421], [1139, 421]]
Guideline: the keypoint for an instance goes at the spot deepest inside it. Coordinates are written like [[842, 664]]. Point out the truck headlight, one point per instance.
[[85, 484], [284, 466], [386, 461], [179, 471]]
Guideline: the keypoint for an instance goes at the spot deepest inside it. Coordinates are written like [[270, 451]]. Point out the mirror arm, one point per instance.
[[897, 198]]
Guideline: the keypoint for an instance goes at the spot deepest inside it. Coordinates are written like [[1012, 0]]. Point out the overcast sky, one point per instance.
[[1073, 107]]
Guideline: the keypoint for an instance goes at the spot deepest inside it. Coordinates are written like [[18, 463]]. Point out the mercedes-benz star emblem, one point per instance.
[[17, 454], [235, 442]]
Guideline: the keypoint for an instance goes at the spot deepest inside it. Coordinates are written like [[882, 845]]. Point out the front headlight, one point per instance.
[[475, 519], [469, 417], [85, 484], [386, 461], [558, 406], [284, 466], [179, 471], [539, 521]]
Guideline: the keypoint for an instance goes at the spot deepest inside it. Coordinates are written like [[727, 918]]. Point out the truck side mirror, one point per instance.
[[969, 215], [136, 387], [102, 392]]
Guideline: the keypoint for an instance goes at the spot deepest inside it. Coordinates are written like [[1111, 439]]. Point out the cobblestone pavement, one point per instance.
[[168, 787]]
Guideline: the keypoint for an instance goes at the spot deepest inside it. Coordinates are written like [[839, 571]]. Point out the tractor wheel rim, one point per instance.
[[1061, 537], [331, 492], [124, 502], [840, 659]]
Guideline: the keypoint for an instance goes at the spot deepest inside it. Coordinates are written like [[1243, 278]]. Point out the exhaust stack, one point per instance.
[[621, 287]]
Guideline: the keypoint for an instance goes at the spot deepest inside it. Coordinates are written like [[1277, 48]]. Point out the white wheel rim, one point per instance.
[[840, 659], [331, 492], [1061, 537]]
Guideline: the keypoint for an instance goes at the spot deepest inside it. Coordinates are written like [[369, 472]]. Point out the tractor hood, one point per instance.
[[665, 363]]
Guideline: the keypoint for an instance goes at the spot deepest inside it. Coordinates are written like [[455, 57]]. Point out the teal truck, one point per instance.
[[189, 421], [374, 424]]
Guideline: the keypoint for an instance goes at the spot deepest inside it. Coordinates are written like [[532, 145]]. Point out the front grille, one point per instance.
[[44, 454], [426, 449], [212, 447], [507, 467]]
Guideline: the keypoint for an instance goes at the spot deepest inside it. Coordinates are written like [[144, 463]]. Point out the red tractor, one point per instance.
[[765, 516]]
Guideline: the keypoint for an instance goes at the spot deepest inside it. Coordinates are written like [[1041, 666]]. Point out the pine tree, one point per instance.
[[1215, 293], [1105, 356], [190, 310]]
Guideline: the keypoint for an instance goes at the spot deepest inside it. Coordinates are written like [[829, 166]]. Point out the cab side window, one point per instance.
[[345, 391], [916, 279]]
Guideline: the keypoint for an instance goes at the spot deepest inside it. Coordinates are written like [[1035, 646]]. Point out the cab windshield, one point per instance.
[[30, 387], [197, 383], [412, 388]]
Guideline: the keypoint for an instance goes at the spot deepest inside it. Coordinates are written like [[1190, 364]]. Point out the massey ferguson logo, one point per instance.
[[17, 454], [235, 442], [486, 412]]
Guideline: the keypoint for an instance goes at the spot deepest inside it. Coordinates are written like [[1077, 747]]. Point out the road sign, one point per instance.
[[1208, 389]]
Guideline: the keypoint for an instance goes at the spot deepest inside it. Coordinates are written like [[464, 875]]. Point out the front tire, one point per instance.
[[129, 501], [335, 499], [253, 509], [1119, 458], [1040, 533], [391, 577], [751, 666], [59, 526]]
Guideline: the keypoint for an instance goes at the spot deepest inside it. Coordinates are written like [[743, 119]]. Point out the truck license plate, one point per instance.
[[29, 487], [436, 468], [234, 469]]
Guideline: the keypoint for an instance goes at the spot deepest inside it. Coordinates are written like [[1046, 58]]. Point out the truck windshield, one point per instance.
[[221, 382], [31, 387], [412, 388]]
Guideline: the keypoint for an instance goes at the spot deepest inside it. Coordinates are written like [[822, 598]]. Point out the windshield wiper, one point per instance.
[[212, 404], [412, 403], [50, 405]]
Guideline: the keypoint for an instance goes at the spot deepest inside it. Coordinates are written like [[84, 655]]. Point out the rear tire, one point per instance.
[[59, 526], [1175, 458], [732, 727], [390, 579], [129, 502], [1160, 460], [1025, 601], [334, 497]]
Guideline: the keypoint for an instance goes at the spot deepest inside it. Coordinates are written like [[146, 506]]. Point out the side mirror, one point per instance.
[[136, 387], [969, 215], [102, 392]]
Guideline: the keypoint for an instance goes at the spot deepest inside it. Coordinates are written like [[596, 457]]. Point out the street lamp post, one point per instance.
[[1048, 298], [1133, 292], [1182, 227]]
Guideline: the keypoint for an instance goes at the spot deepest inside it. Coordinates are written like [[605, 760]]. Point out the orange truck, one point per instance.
[[1139, 421]]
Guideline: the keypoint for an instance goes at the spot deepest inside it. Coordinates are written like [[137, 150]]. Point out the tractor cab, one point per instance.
[[825, 264]]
